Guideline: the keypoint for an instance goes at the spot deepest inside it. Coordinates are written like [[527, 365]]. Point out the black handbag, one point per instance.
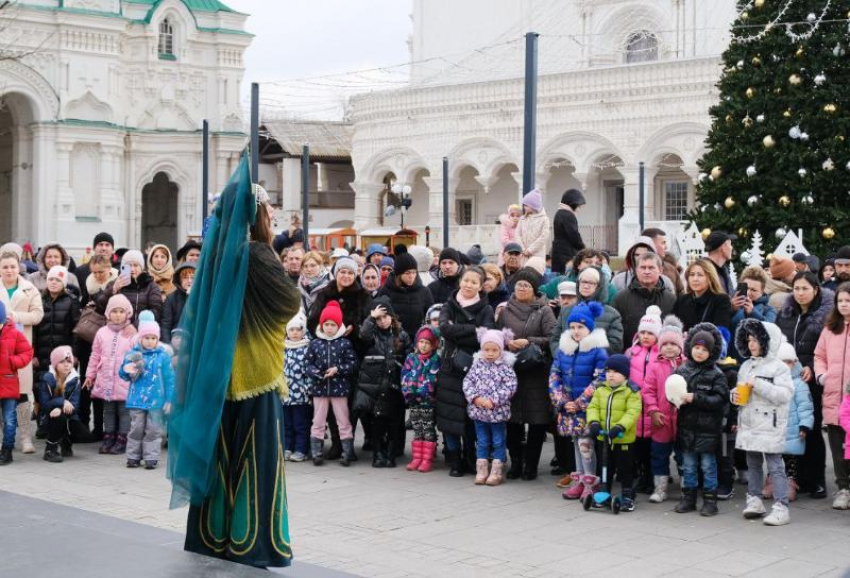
[[529, 358], [461, 362]]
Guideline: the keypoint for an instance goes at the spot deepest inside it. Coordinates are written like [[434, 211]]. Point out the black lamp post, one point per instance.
[[427, 235]]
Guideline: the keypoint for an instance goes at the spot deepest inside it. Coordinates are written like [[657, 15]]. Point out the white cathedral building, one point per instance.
[[621, 82], [102, 108]]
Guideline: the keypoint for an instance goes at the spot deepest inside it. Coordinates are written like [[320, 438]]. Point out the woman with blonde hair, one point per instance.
[[494, 285], [314, 277], [704, 300]]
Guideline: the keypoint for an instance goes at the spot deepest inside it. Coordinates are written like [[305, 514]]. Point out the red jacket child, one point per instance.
[[15, 354]]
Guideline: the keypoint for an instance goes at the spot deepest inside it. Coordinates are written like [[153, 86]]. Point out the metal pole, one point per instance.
[[445, 202], [642, 194], [255, 133], [530, 130], [305, 194], [205, 178]]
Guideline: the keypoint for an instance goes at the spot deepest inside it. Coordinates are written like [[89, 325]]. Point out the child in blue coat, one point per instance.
[[579, 360], [801, 420], [148, 369], [58, 399], [297, 411]]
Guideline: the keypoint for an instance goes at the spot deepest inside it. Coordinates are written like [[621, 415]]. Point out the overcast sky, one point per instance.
[[298, 39]]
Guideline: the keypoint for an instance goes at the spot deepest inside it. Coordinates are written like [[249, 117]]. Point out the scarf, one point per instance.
[[289, 344], [164, 278], [467, 303], [93, 287], [565, 207]]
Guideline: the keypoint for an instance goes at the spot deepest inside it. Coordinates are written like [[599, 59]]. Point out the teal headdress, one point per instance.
[[210, 322]]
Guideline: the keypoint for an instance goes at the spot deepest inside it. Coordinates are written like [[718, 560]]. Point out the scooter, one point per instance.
[[603, 498]]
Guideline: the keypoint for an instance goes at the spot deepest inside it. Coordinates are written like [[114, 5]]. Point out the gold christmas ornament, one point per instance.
[[784, 200], [828, 233], [748, 122], [742, 232], [830, 108], [756, 61], [745, 16], [729, 202], [759, 3], [728, 118], [716, 172], [750, 92], [787, 113], [777, 91], [795, 79], [705, 233], [799, 53], [768, 142]]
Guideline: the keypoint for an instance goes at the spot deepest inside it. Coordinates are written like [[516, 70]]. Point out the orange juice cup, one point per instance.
[[744, 390]]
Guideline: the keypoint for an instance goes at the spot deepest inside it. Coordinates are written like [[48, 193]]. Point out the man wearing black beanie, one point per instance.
[[103, 244], [449, 276]]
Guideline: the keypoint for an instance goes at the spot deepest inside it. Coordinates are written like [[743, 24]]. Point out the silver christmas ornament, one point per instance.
[[804, 136], [753, 200], [808, 200], [740, 64], [794, 132], [751, 171], [820, 79], [702, 177], [802, 172], [760, 118], [811, 17], [780, 233], [828, 165]]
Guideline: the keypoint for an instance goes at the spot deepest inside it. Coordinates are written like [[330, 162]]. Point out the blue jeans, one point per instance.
[[10, 421], [491, 434], [661, 458], [692, 462], [297, 420], [452, 442]]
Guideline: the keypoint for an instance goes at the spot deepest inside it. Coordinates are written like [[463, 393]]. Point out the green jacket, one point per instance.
[[616, 406]]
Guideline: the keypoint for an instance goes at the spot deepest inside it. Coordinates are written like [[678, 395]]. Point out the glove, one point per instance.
[[593, 429], [616, 431]]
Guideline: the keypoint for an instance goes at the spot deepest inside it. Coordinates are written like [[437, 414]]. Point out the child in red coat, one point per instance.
[[15, 353]]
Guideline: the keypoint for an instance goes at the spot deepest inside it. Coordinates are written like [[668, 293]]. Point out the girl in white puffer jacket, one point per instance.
[[763, 420]]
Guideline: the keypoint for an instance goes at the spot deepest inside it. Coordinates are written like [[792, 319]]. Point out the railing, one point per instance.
[[603, 237]]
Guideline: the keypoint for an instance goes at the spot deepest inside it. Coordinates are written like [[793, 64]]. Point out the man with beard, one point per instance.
[[842, 268]]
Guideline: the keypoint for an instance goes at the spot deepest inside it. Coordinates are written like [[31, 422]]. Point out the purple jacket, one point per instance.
[[495, 381]]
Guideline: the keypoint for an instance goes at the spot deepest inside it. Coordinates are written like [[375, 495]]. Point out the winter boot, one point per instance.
[[515, 471], [347, 452], [120, 445], [429, 449], [5, 456], [316, 449], [627, 502], [590, 484], [531, 461], [456, 468], [575, 490], [660, 493], [107, 443], [67, 450], [779, 515], [482, 471], [709, 504], [688, 503], [496, 473], [25, 427], [335, 451], [416, 452], [51, 453], [767, 491]]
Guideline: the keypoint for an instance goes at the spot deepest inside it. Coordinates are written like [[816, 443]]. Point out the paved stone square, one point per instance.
[[393, 523]]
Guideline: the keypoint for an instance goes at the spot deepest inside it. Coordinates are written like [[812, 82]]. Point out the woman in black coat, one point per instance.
[[140, 288], [530, 318], [354, 301], [409, 297], [801, 320], [465, 311], [61, 314], [704, 300], [567, 241], [184, 275]]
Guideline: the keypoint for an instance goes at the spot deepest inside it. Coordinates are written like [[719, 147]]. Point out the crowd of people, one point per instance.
[[629, 372]]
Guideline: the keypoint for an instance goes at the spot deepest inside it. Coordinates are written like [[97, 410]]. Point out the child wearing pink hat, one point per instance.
[[662, 414], [488, 388], [643, 350], [532, 232]]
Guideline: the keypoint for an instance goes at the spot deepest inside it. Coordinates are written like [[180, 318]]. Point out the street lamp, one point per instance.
[[427, 235], [403, 193]]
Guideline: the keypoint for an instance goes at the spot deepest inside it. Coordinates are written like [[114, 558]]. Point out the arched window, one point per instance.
[[166, 38], [641, 47]]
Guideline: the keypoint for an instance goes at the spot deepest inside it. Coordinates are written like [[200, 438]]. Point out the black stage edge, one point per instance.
[[46, 540]]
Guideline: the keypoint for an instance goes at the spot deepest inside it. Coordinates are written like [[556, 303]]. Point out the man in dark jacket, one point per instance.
[[409, 297], [174, 304], [449, 277], [104, 245], [842, 268], [670, 266], [647, 288], [567, 240], [719, 249], [513, 263]]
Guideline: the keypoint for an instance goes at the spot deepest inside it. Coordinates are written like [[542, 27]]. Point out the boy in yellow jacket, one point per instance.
[[615, 409]]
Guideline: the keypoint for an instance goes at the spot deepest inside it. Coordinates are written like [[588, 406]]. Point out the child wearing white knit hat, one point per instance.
[[643, 351]]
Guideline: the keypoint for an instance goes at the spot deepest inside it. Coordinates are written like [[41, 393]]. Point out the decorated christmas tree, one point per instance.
[[779, 158]]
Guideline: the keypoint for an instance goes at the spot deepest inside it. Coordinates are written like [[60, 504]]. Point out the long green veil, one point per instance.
[[210, 322]]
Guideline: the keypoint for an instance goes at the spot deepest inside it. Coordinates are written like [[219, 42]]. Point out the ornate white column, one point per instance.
[[629, 225], [366, 207], [435, 207], [42, 228], [64, 205]]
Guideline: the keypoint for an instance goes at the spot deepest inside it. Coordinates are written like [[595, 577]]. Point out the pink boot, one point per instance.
[[482, 472], [590, 485], [417, 456], [429, 450], [575, 489]]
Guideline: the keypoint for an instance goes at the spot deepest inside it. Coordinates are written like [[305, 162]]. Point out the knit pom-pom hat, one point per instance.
[[497, 336], [119, 301], [586, 314], [651, 321], [331, 312], [671, 332], [147, 325]]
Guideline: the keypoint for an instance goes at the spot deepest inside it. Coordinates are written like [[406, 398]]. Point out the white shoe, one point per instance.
[[297, 457], [842, 500], [660, 493], [755, 508], [287, 455], [779, 515]]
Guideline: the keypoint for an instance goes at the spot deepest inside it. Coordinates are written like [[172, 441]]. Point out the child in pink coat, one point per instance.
[[662, 413], [643, 351], [110, 344], [844, 418], [507, 228]]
